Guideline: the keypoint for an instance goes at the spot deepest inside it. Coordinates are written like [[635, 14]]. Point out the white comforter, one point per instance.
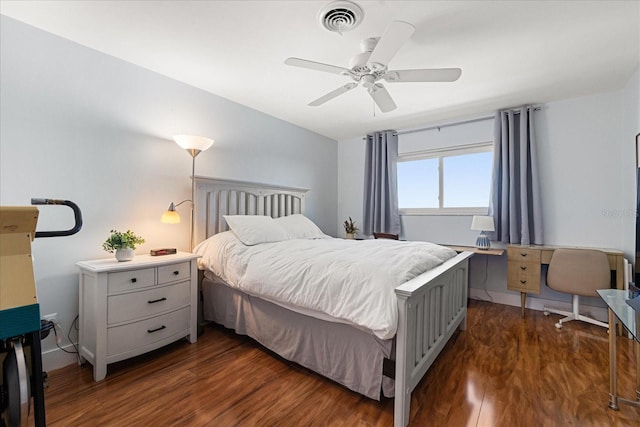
[[349, 280]]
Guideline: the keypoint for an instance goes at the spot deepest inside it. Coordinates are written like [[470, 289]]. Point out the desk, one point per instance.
[[620, 311], [524, 267], [475, 250]]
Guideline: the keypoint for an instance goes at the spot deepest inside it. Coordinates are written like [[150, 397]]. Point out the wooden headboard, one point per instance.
[[217, 197]]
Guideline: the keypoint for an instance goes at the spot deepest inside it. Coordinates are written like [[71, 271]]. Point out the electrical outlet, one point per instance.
[[52, 317]]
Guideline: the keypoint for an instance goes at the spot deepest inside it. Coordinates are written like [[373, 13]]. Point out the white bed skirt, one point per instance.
[[340, 352]]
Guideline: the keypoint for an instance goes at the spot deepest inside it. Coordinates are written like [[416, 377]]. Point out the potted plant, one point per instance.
[[123, 244], [350, 228]]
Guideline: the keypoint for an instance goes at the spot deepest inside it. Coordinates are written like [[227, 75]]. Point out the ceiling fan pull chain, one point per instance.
[[374, 104]]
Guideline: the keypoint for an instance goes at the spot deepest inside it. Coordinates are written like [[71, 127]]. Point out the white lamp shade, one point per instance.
[[482, 223], [170, 216], [193, 142]]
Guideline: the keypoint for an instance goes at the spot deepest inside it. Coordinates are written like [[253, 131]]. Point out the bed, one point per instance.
[[369, 359]]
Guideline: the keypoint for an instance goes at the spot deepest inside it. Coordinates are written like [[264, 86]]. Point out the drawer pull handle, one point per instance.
[[523, 281], [523, 254], [156, 329], [134, 280], [175, 273], [153, 301], [522, 267]]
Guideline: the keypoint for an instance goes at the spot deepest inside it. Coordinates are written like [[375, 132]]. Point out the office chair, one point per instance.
[[578, 272], [385, 236]]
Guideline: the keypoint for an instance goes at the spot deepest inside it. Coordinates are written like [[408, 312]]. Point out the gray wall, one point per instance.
[[80, 125], [586, 157]]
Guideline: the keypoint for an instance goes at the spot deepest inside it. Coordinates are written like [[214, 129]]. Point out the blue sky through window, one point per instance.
[[418, 184], [466, 181]]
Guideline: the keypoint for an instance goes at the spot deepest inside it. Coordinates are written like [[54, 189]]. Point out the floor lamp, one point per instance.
[[194, 145]]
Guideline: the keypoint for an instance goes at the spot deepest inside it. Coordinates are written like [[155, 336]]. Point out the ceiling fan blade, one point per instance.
[[333, 94], [396, 34], [318, 66], [382, 98], [425, 75]]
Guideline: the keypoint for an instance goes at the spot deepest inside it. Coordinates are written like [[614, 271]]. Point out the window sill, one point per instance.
[[444, 212]]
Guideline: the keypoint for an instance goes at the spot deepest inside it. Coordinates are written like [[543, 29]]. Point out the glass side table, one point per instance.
[[620, 311]]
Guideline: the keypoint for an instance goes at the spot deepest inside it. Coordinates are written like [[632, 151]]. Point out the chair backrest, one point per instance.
[[579, 271], [385, 236]]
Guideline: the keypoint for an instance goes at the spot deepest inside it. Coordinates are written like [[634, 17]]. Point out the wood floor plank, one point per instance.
[[502, 371]]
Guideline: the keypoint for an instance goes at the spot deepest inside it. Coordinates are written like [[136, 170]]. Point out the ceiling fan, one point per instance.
[[370, 66]]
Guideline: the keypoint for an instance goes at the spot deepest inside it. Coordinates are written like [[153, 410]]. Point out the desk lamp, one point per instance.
[[482, 223]]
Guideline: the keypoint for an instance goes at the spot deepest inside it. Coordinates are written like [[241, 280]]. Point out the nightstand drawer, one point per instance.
[[174, 272], [133, 279], [130, 306], [122, 339]]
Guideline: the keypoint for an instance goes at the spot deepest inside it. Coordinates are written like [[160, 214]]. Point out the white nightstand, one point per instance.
[[130, 308]]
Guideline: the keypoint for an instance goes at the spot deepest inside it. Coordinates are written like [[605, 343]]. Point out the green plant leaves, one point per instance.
[[119, 240]]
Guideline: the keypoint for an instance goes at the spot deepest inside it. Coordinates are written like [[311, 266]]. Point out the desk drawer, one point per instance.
[[523, 276], [121, 308], [523, 254]]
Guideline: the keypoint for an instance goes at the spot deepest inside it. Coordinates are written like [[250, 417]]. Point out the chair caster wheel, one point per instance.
[[559, 325]]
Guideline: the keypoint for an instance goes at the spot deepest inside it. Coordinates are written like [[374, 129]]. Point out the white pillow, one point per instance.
[[300, 227], [255, 229]]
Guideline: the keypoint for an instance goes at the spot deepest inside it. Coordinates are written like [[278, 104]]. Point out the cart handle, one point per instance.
[[76, 214]]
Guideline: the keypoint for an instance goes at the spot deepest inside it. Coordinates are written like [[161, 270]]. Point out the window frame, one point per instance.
[[440, 154]]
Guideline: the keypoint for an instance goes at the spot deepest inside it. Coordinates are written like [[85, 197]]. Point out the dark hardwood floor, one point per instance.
[[501, 371]]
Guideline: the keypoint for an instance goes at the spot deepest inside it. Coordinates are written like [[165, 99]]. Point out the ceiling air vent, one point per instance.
[[340, 16]]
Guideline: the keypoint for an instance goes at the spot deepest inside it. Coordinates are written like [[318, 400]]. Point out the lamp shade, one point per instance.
[[192, 142], [482, 223], [170, 216]]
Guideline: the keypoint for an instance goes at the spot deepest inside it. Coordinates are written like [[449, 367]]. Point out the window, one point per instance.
[[448, 181]]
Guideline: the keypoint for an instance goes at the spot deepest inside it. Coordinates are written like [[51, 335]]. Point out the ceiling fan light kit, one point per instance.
[[370, 66]]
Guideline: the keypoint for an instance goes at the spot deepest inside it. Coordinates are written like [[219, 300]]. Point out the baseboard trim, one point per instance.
[[536, 303], [56, 358]]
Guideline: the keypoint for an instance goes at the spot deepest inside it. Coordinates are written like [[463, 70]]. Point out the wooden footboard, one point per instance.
[[430, 308]]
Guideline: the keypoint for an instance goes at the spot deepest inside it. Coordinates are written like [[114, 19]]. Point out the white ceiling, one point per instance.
[[511, 52]]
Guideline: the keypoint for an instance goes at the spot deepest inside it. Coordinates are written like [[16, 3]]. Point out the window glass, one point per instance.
[[418, 184], [467, 180], [450, 181]]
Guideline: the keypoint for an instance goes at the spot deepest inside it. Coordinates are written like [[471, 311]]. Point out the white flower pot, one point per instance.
[[351, 236], [125, 254]]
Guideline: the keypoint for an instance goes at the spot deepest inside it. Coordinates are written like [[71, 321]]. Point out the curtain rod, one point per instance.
[[481, 119]]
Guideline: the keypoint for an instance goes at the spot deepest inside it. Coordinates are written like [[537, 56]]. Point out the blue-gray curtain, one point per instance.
[[381, 184], [515, 185]]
